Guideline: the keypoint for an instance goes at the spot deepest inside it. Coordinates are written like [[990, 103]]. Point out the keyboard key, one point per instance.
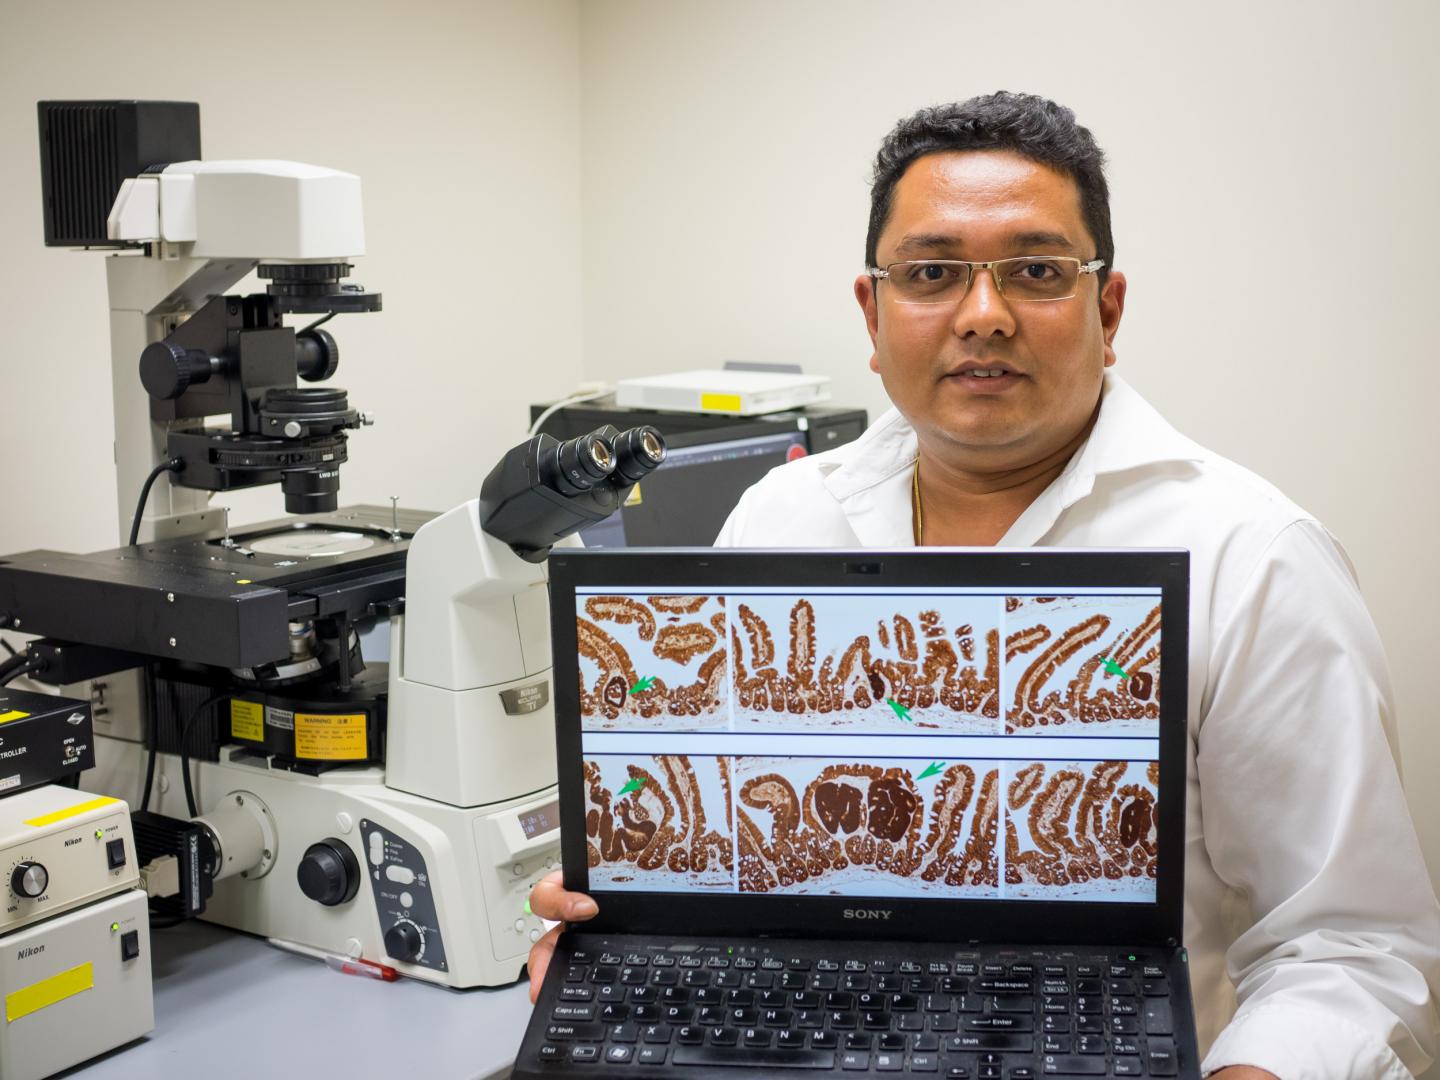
[[574, 1012], [745, 963], [797, 963], [1158, 1020], [924, 1063], [576, 993], [619, 1055], [858, 1040], [585, 1053], [1022, 1072], [574, 1032], [967, 1044], [824, 1040], [758, 1037], [1161, 1057], [1010, 1022], [771, 963], [925, 1044], [855, 1060], [717, 962], [552, 1052], [770, 1058], [1072, 1065], [636, 959], [651, 1055], [1155, 987], [1127, 1066], [889, 1062], [790, 1039], [656, 1033], [623, 1033], [1089, 1044], [612, 959], [724, 1036], [690, 1034]]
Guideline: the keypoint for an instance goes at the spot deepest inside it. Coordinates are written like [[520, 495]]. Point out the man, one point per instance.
[[1304, 880]]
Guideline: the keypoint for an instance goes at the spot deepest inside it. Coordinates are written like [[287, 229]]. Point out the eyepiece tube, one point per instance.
[[582, 463], [638, 452]]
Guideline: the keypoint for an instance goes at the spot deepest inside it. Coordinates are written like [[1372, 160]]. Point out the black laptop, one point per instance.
[[870, 812]]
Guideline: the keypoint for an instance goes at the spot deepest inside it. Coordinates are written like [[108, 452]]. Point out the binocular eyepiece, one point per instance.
[[604, 456], [543, 490]]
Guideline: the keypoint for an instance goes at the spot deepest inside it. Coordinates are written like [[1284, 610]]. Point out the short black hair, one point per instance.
[[1031, 126]]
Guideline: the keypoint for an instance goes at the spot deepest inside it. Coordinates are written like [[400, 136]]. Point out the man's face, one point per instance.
[[983, 205]]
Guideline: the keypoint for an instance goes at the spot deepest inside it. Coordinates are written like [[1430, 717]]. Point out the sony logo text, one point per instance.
[[868, 913]]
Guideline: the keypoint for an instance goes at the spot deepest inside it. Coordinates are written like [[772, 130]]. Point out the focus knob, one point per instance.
[[167, 369], [403, 941], [30, 880], [329, 873], [317, 355]]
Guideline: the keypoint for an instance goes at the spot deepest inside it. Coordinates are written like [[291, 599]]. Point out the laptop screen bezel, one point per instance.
[[1157, 922]]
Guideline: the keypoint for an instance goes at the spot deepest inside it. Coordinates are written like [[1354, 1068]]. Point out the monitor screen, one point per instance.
[[977, 743], [687, 499]]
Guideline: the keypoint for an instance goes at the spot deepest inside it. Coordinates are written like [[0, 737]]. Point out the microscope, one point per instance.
[[389, 817]]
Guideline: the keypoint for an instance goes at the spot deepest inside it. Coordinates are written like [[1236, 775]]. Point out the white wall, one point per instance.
[[1273, 185], [463, 122]]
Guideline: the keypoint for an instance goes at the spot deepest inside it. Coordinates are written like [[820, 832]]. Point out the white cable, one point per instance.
[[575, 400]]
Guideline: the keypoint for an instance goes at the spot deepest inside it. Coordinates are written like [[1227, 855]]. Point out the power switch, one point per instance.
[[115, 853], [130, 945]]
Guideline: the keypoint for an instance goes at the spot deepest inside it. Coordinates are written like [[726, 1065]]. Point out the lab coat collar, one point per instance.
[[871, 476]]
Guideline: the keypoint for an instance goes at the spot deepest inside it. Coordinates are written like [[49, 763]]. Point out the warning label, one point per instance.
[[330, 737]]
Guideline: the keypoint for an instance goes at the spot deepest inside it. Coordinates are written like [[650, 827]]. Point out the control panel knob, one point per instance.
[[30, 880], [403, 941], [329, 873]]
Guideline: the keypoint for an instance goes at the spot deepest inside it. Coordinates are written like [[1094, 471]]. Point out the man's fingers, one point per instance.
[[549, 900], [540, 954]]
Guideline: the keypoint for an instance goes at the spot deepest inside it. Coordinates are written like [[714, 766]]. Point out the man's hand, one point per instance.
[[1242, 1072], [549, 900]]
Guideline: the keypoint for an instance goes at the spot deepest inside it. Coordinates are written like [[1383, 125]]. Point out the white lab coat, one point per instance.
[[1304, 877]]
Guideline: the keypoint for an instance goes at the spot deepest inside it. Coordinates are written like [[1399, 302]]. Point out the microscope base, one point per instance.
[[435, 891]]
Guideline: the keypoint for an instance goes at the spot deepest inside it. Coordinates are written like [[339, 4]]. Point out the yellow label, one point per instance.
[[330, 736], [13, 714], [243, 581], [74, 811], [247, 720], [720, 402], [48, 991], [634, 498]]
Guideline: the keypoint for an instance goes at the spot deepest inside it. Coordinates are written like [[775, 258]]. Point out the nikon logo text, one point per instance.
[[867, 913]]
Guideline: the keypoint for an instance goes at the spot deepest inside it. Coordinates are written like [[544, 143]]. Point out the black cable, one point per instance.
[[152, 716], [8, 647], [173, 465], [21, 664], [318, 322], [185, 748]]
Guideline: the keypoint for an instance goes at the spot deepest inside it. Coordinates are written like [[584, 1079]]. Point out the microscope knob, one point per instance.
[[317, 355], [167, 369], [29, 879], [403, 941], [329, 873]]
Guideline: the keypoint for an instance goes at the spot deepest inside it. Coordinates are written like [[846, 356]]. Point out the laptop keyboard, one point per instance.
[[1002, 1015]]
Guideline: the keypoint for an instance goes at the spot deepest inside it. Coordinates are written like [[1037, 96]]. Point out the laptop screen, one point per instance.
[[863, 736]]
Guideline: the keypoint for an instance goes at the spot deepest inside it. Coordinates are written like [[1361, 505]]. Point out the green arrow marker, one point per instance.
[[1113, 668], [900, 710], [634, 785], [933, 769], [643, 684]]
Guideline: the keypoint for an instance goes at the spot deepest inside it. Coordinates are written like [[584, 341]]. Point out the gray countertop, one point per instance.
[[228, 1005]]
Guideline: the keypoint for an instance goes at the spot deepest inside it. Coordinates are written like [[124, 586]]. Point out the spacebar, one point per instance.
[[761, 1057]]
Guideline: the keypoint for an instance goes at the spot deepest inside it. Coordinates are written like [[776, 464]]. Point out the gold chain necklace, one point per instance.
[[919, 510]]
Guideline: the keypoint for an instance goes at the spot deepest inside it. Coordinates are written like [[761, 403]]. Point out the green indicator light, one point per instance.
[[114, 926], [1132, 957], [99, 833], [527, 908], [731, 950]]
